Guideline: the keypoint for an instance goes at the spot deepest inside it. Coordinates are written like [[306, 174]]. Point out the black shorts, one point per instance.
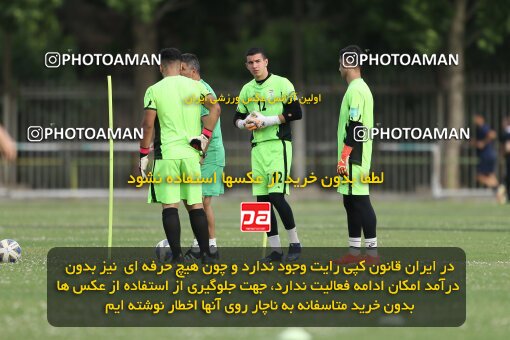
[[486, 165]]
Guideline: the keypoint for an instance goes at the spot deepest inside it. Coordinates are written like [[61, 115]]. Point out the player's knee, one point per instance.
[[278, 201], [263, 198], [173, 205], [195, 206], [347, 202], [207, 202], [277, 198], [284, 209]]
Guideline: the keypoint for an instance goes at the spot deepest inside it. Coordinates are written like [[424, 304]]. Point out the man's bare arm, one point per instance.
[[148, 128], [214, 113], [7, 145]]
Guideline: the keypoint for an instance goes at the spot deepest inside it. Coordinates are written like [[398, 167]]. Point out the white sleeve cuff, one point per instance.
[[273, 120]]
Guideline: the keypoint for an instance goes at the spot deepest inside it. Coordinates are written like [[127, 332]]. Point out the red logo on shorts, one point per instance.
[[256, 216]]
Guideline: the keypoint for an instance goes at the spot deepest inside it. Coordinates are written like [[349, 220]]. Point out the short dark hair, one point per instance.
[[170, 55], [191, 60], [351, 50], [256, 50]]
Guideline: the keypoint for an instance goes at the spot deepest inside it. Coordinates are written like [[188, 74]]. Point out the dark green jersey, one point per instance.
[[268, 98]]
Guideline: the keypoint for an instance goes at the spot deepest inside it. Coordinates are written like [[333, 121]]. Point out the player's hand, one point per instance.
[[201, 142], [343, 163], [246, 124], [144, 161], [256, 118], [262, 121], [250, 125], [480, 144], [341, 167]]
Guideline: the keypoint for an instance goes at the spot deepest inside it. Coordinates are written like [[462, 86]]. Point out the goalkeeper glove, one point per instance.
[[144, 161], [200, 142], [263, 121], [246, 124], [341, 167]]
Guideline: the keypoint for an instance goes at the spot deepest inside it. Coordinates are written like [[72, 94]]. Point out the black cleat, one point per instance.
[[214, 252], [273, 257], [294, 252], [192, 255], [178, 259], [208, 259]]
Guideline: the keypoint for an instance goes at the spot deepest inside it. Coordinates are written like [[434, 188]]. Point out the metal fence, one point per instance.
[[408, 99]]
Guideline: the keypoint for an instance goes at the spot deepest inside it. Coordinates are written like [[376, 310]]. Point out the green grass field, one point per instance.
[[482, 229]]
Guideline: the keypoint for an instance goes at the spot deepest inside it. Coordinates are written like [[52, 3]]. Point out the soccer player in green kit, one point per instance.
[[213, 162], [267, 105], [355, 156], [176, 126]]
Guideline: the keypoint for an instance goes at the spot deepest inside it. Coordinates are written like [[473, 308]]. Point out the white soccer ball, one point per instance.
[[294, 333], [10, 251], [163, 251]]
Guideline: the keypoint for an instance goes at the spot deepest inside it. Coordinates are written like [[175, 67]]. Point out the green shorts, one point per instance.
[[214, 188], [169, 170], [356, 188], [271, 161]]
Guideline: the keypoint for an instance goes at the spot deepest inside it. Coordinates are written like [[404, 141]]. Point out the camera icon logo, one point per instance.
[[361, 134], [35, 133], [350, 60], [52, 59]]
